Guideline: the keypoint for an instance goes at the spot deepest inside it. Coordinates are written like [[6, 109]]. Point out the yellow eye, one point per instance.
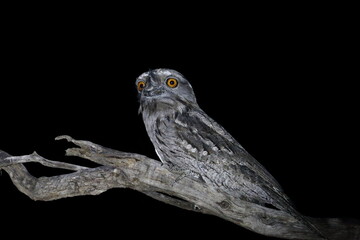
[[172, 82], [141, 85]]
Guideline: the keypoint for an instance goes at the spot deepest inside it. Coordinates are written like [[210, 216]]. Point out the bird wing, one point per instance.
[[191, 140], [230, 152]]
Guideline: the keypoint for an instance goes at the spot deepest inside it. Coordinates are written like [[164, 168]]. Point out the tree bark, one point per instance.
[[129, 170]]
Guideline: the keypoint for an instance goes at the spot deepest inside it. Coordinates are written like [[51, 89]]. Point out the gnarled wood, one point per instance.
[[129, 170]]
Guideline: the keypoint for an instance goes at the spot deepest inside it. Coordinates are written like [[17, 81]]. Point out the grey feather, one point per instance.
[[188, 140]]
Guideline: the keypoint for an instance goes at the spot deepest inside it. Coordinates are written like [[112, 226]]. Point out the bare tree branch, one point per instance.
[[34, 157], [130, 170]]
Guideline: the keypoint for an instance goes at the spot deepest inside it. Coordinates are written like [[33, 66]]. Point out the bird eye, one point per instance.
[[141, 85], [172, 82]]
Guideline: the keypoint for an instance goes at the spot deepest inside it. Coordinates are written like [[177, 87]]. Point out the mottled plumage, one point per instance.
[[188, 140]]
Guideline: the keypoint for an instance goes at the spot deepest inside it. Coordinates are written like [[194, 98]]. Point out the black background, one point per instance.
[[281, 79]]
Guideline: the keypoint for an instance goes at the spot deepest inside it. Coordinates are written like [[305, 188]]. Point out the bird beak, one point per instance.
[[151, 91], [153, 88]]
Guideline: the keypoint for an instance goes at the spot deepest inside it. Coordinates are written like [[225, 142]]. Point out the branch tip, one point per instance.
[[81, 143], [66, 137]]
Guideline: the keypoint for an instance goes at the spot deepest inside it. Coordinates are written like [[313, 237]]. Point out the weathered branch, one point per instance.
[[34, 157], [129, 170]]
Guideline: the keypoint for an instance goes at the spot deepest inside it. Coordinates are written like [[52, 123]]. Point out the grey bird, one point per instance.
[[187, 140]]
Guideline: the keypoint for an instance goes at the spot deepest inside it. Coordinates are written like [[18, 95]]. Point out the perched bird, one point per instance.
[[188, 141]]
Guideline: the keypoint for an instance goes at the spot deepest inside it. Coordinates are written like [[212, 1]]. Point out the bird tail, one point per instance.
[[283, 202], [337, 228], [325, 228]]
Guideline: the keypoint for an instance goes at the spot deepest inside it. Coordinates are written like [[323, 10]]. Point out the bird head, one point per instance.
[[164, 86]]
